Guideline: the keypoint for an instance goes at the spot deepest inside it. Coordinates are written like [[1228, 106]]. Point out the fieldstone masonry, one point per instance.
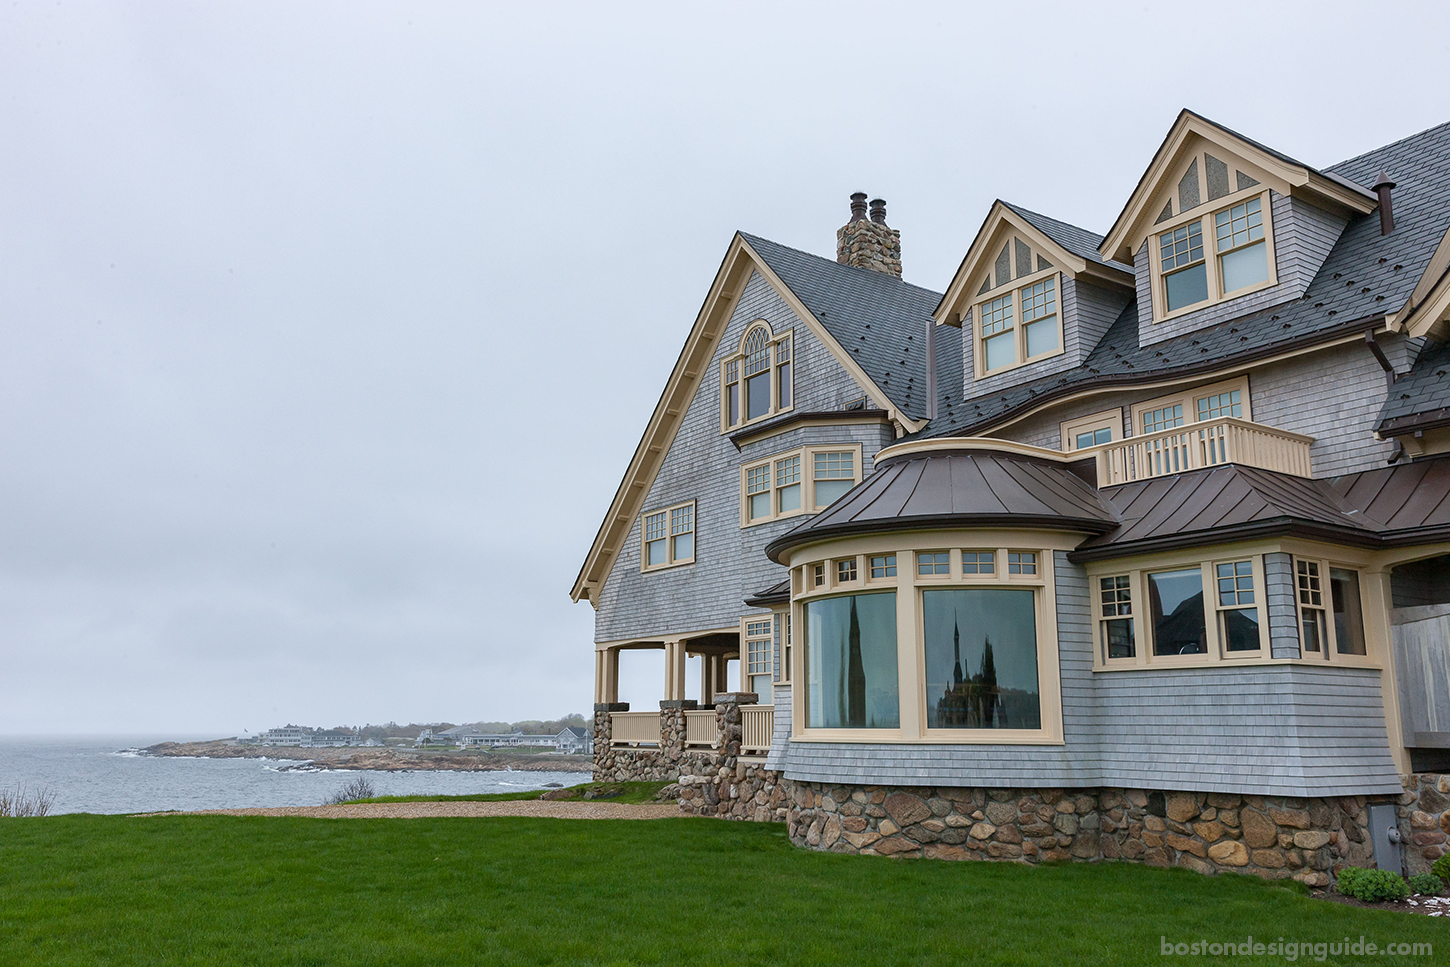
[[1424, 819], [1270, 836]]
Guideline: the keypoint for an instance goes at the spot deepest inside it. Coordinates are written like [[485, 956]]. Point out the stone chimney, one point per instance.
[[867, 242]]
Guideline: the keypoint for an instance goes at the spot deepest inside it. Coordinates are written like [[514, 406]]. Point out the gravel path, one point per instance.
[[433, 810]]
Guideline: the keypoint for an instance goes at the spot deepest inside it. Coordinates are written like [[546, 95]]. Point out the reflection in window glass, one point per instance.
[[1348, 618], [981, 659], [1094, 438], [1175, 601], [851, 680]]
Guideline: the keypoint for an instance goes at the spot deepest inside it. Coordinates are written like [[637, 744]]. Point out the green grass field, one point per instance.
[[212, 890], [629, 792]]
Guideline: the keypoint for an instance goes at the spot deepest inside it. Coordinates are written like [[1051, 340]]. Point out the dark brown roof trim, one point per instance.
[[775, 594], [782, 423], [1430, 420], [1045, 522], [1254, 530], [1108, 381]]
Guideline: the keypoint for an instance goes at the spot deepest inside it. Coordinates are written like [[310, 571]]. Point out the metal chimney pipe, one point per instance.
[[858, 206], [878, 211], [1382, 186]]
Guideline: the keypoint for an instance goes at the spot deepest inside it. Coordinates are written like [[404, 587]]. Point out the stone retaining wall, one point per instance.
[[1424, 819]]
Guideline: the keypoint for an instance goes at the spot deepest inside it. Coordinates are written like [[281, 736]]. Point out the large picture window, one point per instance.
[[851, 674], [981, 658], [755, 382], [1175, 601]]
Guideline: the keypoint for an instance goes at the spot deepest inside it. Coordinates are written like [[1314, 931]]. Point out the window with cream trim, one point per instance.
[[1229, 398], [1019, 326], [1213, 240], [756, 382], [1331, 615], [984, 666], [667, 537], [797, 482], [1092, 431]]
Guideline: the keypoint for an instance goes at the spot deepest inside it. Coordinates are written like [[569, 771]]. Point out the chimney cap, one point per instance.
[[1382, 180], [878, 211], [858, 206]]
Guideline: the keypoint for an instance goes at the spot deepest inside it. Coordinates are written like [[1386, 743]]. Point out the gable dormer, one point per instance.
[[1220, 226], [1032, 297]]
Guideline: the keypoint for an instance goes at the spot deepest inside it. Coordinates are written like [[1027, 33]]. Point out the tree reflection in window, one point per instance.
[[985, 677]]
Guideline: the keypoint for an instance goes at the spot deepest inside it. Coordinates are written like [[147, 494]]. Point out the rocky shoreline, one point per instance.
[[380, 759]]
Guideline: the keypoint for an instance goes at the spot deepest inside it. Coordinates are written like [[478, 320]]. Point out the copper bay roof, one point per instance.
[[981, 488]]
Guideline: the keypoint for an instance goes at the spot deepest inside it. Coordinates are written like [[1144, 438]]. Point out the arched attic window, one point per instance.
[[756, 381]]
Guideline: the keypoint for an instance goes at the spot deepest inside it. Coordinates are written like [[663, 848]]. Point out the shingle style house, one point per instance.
[[1133, 545]]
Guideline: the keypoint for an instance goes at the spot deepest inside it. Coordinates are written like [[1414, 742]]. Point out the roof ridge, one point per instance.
[[821, 258], [1384, 147]]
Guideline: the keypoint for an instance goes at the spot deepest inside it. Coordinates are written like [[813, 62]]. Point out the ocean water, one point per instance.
[[105, 774]]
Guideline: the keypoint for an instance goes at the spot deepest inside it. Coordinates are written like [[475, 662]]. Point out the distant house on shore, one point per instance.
[[575, 741], [288, 735], [296, 736]]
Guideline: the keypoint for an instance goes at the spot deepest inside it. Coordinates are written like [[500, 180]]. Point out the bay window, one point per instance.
[[987, 678], [851, 673]]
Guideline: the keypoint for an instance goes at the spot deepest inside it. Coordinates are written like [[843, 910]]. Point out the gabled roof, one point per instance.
[[838, 303], [879, 319], [1365, 277], [1329, 187], [1067, 246], [1079, 241]]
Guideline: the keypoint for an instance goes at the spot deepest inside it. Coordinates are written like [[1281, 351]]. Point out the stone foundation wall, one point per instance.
[[1306, 839], [1424, 819]]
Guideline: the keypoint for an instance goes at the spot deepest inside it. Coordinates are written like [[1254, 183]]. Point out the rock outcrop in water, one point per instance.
[[374, 758]]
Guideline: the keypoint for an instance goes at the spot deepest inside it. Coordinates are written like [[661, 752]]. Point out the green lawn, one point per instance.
[[627, 792], [204, 890]]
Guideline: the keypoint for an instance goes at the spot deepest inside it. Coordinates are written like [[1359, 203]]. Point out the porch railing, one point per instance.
[[634, 728], [1206, 444], [757, 722], [700, 727]]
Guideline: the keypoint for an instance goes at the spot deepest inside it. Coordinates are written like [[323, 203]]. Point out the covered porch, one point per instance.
[[679, 723]]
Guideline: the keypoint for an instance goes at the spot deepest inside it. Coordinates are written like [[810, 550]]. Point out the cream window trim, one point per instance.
[[667, 524], [1110, 420], [911, 634], [1018, 327], [757, 653], [770, 480], [780, 366], [784, 638], [1329, 647], [1205, 215], [1189, 400], [1216, 653]]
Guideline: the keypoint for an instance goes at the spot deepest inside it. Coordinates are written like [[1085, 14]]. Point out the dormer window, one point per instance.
[[1202, 255], [1021, 324], [756, 382]]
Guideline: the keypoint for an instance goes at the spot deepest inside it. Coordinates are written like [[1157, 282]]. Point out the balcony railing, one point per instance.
[[700, 728], [1205, 444], [757, 722], [635, 728]]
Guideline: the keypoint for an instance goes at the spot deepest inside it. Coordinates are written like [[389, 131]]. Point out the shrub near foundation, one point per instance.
[[1426, 884], [1372, 886], [1441, 868]]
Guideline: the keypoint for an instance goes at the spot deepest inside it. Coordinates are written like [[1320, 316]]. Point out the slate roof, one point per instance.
[[1079, 241], [879, 319], [1421, 396], [1365, 276], [958, 488]]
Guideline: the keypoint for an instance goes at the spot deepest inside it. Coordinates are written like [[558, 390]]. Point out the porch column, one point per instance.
[[598, 676], [611, 675], [722, 667], [674, 670], [707, 675]]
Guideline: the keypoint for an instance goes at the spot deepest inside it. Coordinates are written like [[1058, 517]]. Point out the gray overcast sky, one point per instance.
[[326, 330]]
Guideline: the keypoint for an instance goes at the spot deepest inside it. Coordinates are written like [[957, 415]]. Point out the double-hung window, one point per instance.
[[1218, 254], [667, 537], [1115, 599], [1238, 615], [1185, 271], [1331, 617], [800, 481], [756, 381], [1019, 326], [1243, 258], [759, 655]]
